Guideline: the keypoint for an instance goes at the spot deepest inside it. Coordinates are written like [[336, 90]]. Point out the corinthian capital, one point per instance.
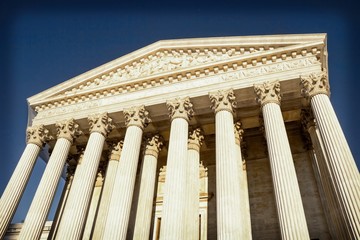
[[68, 129], [154, 145], [38, 135], [137, 116], [268, 92], [315, 83], [180, 108], [223, 100], [101, 123], [238, 131], [195, 139], [307, 119], [115, 150]]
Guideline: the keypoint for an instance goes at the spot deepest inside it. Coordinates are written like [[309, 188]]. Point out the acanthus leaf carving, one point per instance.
[[238, 131], [196, 139], [137, 116], [223, 100], [180, 108], [68, 129], [38, 135], [101, 123], [115, 149], [315, 83], [154, 145], [268, 92]]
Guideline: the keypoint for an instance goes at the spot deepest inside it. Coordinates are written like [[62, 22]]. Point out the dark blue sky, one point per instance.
[[42, 45]]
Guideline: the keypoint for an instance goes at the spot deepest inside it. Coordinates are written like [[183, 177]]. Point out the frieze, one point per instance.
[[84, 102], [164, 61]]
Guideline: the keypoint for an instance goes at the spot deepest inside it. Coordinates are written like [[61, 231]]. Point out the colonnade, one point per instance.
[[333, 158]]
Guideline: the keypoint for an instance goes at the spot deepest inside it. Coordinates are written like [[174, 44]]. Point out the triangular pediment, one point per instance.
[[175, 58]]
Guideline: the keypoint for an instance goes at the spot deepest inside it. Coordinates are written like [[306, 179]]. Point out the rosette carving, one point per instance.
[[223, 100], [180, 108], [268, 92], [196, 139], [68, 129], [38, 135], [101, 123], [137, 116], [315, 83]]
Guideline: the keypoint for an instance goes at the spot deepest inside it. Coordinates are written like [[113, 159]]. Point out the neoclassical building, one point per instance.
[[211, 138]]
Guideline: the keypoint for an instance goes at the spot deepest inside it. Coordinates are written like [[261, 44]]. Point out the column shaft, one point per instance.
[[173, 215], [146, 198], [341, 163], [193, 192], [287, 193], [229, 222], [105, 199], [40, 206], [120, 203], [244, 196], [74, 216], [16, 186]]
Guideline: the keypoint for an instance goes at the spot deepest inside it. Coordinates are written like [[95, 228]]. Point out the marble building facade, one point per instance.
[[211, 138]]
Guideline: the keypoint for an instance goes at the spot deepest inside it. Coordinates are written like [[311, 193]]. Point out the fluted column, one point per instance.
[[37, 136], [341, 162], [74, 216], [94, 203], [70, 171], [228, 205], [137, 118], [173, 224], [323, 176], [147, 187], [193, 184], [40, 206], [287, 193], [244, 193], [114, 157]]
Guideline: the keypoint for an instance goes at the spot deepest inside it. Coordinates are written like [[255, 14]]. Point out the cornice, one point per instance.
[[244, 63], [254, 42]]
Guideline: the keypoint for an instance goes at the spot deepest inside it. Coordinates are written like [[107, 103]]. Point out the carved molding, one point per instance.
[[68, 129], [235, 71], [268, 92], [196, 139], [137, 116], [180, 108], [38, 135], [101, 123], [223, 100], [315, 83], [115, 149], [238, 131], [154, 145]]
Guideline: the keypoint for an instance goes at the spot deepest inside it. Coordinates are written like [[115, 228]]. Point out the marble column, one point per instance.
[[75, 212], [287, 193], [70, 171], [341, 162], [147, 187], [35, 219], [244, 193], [173, 224], [323, 176], [110, 175], [94, 203], [193, 184], [228, 205], [37, 136], [136, 119]]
